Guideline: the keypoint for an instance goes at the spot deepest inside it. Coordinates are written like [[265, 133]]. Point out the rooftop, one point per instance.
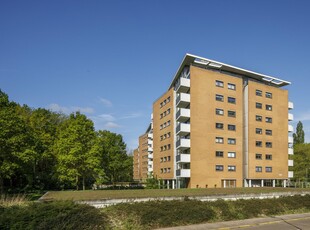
[[208, 63]]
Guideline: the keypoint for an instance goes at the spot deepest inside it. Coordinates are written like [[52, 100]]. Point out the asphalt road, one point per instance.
[[285, 222]]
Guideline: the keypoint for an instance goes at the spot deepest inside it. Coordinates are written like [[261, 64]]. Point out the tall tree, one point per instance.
[[76, 159], [299, 136], [301, 158]]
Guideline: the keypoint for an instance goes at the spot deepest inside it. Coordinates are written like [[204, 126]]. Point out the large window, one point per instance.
[[268, 169], [231, 154], [231, 113], [219, 111], [259, 93], [269, 107], [231, 168], [258, 131], [268, 132], [219, 97], [232, 100], [268, 157], [258, 169], [268, 95], [258, 156], [219, 84], [259, 143], [231, 141], [268, 144], [219, 167], [231, 86], [268, 120], [259, 105], [219, 140], [219, 125], [259, 118], [231, 127], [219, 154]]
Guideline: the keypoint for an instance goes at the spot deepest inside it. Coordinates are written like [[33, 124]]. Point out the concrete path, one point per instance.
[[285, 222]]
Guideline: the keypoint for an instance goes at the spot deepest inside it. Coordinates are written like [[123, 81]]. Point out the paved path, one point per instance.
[[285, 222]]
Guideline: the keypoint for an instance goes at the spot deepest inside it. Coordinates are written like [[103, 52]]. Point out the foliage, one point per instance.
[[44, 150], [301, 158], [152, 182], [299, 136], [177, 213], [51, 215]]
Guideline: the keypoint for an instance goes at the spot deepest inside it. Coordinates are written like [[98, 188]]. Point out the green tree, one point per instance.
[[299, 136], [301, 158], [76, 158]]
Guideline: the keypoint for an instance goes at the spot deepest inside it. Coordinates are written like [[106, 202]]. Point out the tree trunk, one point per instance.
[[77, 182], [83, 183]]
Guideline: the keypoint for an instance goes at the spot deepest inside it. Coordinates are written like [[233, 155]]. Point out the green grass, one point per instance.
[[156, 193]]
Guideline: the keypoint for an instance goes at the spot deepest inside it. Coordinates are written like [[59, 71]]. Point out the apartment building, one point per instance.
[[222, 126], [143, 156]]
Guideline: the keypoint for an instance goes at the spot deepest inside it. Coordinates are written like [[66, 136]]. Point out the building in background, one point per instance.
[[220, 126]]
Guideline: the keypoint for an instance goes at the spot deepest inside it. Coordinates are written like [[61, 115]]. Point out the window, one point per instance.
[[259, 131], [161, 148], [165, 170], [269, 132], [161, 137], [219, 125], [168, 123], [259, 118], [161, 159], [219, 84], [168, 146], [232, 100], [161, 170], [168, 135], [231, 154], [231, 168], [268, 144], [231, 113], [258, 156], [219, 97], [258, 169], [268, 157], [219, 140], [259, 93], [259, 143], [168, 99], [161, 116], [231, 141], [165, 159], [231, 86], [219, 167], [268, 95], [219, 153], [259, 105], [168, 111], [219, 111], [232, 127], [168, 170], [268, 169], [168, 158], [161, 104], [161, 126], [268, 119], [269, 107]]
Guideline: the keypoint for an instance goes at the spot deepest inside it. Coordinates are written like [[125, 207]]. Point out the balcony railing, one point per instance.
[[290, 117], [183, 85], [290, 128], [183, 129], [290, 151], [183, 173], [290, 105], [183, 158], [183, 144], [290, 140], [290, 163], [183, 115], [290, 174], [183, 100]]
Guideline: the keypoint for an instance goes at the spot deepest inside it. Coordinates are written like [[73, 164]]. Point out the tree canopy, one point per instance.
[[299, 136]]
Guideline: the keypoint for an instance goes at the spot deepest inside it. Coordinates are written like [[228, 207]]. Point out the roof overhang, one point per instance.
[[208, 63]]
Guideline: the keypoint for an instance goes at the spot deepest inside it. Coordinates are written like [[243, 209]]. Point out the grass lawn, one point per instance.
[[143, 193]]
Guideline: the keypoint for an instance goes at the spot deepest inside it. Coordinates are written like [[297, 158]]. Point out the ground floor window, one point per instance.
[[228, 183]]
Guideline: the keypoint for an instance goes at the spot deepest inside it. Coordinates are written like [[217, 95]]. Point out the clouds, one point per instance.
[[67, 110], [105, 102]]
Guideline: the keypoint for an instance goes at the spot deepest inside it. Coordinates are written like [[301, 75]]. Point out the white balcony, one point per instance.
[[290, 128], [150, 149], [183, 173], [150, 155], [290, 105], [290, 117], [183, 144], [150, 169], [183, 85], [183, 129], [150, 135], [290, 174], [183, 158], [183, 100], [290, 140], [290, 151], [183, 115], [290, 162]]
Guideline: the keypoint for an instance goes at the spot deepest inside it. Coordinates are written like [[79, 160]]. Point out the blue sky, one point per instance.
[[112, 59]]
